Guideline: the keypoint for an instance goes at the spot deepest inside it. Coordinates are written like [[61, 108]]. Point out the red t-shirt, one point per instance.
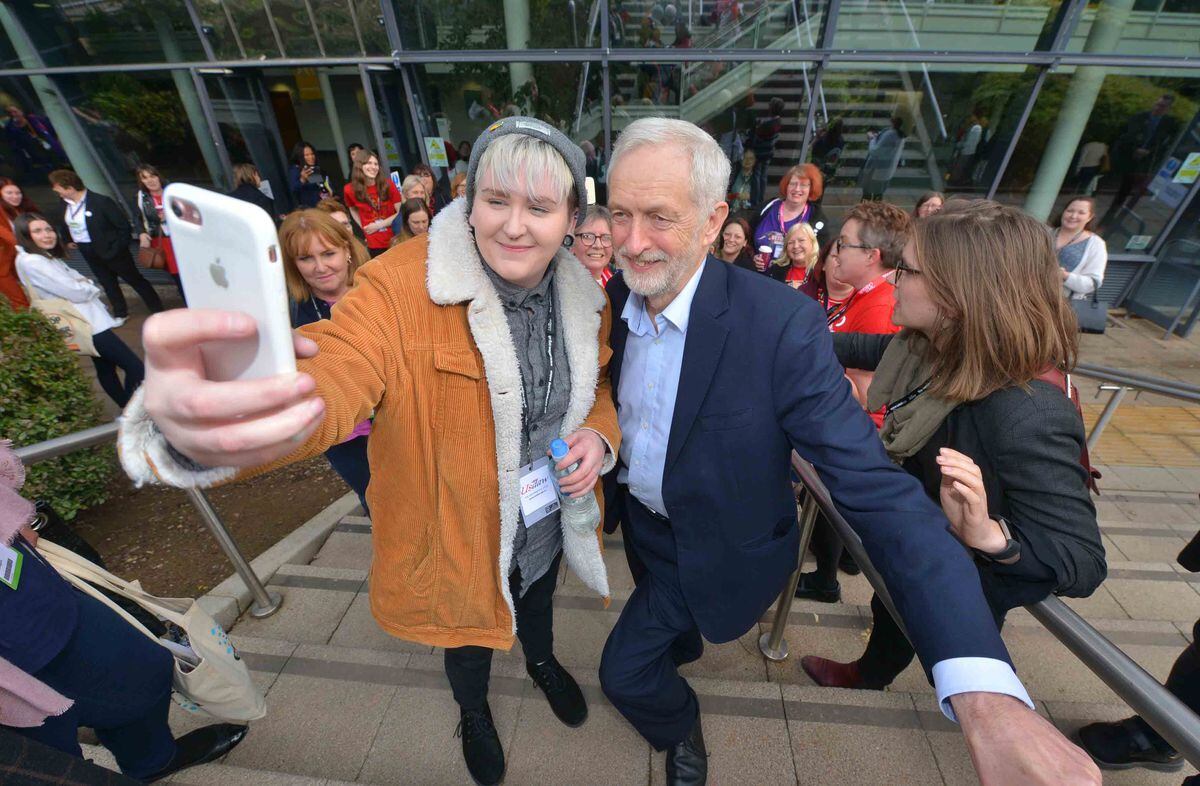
[[367, 212], [869, 312]]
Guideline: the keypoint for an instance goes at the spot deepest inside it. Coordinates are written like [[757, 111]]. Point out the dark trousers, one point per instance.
[[108, 271], [469, 668], [758, 185], [116, 354], [1184, 682], [689, 646], [349, 461], [638, 671], [827, 551], [121, 684]]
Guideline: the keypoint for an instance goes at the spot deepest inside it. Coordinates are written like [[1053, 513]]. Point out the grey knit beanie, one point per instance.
[[533, 127]]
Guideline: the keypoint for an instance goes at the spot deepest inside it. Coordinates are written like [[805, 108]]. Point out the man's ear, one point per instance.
[[714, 223]]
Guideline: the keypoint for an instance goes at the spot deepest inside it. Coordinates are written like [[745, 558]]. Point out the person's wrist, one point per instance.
[[992, 538]]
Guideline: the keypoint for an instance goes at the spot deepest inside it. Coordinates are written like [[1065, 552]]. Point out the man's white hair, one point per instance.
[[710, 167]]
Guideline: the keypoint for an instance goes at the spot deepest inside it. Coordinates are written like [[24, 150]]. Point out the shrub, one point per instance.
[[44, 394]]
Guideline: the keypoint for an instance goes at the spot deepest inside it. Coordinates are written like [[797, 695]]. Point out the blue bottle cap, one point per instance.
[[559, 449]]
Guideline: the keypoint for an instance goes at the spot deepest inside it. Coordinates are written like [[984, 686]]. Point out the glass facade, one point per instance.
[[1027, 101]]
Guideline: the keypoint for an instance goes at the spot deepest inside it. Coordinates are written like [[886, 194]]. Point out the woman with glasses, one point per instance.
[[975, 392], [799, 192], [593, 243]]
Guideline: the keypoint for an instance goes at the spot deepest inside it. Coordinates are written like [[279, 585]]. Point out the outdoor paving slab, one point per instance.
[[1164, 598], [318, 726], [226, 775], [1099, 605], [359, 629], [857, 737], [837, 643], [1161, 514], [345, 550], [1149, 478], [739, 659], [579, 634], [1145, 548], [307, 615], [1109, 511]]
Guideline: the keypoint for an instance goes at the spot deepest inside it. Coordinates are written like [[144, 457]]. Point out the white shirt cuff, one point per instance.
[[975, 675]]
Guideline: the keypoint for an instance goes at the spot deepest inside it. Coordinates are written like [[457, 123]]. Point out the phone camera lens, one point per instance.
[[177, 210]]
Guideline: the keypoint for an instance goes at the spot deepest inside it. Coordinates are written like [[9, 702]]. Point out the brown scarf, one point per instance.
[[902, 370]]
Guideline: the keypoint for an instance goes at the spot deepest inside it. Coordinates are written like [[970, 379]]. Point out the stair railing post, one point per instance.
[[772, 644]]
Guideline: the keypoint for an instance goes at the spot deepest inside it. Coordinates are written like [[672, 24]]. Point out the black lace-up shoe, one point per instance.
[[810, 588], [561, 691], [1124, 744], [201, 746], [481, 746], [687, 762]]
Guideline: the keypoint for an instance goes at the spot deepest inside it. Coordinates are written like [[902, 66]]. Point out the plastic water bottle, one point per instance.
[[581, 514]]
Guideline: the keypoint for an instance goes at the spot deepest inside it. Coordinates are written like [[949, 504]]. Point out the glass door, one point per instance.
[[243, 115]]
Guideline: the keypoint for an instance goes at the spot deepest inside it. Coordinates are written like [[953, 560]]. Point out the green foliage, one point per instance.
[[154, 118], [44, 394]]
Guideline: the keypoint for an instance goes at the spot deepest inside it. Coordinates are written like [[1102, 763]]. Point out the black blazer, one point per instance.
[[107, 225], [1026, 443], [759, 379], [248, 193]]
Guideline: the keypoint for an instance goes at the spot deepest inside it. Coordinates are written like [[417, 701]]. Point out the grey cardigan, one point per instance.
[[1026, 441]]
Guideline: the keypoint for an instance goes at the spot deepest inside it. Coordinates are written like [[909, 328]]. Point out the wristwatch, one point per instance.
[[1012, 548]]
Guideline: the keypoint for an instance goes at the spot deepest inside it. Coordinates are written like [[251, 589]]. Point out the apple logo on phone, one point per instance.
[[218, 274]]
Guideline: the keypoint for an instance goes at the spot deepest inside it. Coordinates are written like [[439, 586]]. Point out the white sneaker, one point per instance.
[[120, 321]]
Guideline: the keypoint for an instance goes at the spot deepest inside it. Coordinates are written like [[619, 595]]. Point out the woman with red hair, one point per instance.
[[799, 192], [13, 203]]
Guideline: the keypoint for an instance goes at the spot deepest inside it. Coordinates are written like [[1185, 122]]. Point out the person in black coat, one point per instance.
[[246, 181], [977, 411], [100, 229]]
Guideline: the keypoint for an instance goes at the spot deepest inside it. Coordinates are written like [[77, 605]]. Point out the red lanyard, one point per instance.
[[835, 316]]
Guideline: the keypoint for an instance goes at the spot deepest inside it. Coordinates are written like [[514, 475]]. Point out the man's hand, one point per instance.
[[588, 449], [1010, 743], [242, 423]]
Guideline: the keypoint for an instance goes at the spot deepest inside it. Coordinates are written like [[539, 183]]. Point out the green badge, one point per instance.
[[10, 566]]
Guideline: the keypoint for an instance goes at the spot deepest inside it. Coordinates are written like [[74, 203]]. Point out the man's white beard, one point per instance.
[[664, 277]]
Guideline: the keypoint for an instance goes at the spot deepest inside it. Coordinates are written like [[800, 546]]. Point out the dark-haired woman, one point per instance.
[[414, 220], [733, 246], [45, 275], [155, 233], [373, 199], [13, 203], [978, 412], [305, 178]]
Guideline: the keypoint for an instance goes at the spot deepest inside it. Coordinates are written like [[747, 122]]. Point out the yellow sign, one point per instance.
[[435, 151]]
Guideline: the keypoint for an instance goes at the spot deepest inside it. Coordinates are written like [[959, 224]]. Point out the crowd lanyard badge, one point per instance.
[[539, 492], [10, 566]]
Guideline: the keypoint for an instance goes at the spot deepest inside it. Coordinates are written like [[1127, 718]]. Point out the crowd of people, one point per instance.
[[682, 339]]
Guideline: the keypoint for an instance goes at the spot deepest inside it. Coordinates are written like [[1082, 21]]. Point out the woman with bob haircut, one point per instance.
[[475, 345], [800, 252], [977, 410]]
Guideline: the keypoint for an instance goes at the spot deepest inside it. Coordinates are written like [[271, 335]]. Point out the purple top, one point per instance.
[[772, 229]]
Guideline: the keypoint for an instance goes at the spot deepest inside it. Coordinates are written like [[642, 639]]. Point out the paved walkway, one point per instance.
[[348, 703]]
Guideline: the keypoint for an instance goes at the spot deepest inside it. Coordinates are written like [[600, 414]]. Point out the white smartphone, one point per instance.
[[229, 260]]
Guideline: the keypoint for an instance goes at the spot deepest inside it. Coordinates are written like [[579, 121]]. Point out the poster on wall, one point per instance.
[[435, 151], [1166, 186], [391, 151], [1188, 171]]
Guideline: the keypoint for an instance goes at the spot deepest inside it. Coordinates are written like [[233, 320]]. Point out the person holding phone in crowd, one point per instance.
[[475, 346], [305, 178], [373, 199]]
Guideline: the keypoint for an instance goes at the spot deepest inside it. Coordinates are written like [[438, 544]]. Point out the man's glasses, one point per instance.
[[590, 238], [839, 244], [902, 268]]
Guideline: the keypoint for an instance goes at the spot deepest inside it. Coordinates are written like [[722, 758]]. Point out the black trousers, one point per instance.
[[111, 271], [116, 354], [1184, 682], [827, 550], [469, 668]]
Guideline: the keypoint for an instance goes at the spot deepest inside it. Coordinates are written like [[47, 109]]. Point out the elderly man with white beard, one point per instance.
[[719, 374]]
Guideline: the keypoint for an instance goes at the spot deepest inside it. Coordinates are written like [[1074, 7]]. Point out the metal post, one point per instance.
[[772, 644], [1110, 408], [265, 603]]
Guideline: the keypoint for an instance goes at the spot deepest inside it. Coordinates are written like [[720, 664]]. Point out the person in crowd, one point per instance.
[[884, 151], [828, 145], [725, 414], [741, 188], [593, 243], [1082, 254], [930, 202], [1137, 152], [800, 251], [67, 660], [458, 186], [43, 272], [100, 229], [306, 180], [1091, 162], [823, 286], [154, 231], [351, 151], [430, 182], [978, 413], [799, 192], [320, 259], [414, 220], [246, 182], [967, 148], [464, 156], [373, 199], [1131, 742], [13, 203], [764, 137], [733, 245], [341, 214], [413, 187], [444, 339], [33, 141]]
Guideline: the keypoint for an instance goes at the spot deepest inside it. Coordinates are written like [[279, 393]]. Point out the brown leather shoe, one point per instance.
[[831, 674]]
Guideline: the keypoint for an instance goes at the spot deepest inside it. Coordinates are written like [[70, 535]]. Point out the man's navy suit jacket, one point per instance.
[[759, 379]]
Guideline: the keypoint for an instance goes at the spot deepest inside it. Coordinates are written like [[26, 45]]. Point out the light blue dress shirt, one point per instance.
[[645, 409]]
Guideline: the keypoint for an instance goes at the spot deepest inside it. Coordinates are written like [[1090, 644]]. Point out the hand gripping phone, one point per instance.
[[229, 260]]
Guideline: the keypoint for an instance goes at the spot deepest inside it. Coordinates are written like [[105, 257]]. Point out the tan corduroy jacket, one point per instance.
[[422, 341]]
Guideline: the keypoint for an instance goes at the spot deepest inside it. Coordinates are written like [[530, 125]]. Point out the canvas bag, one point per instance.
[[67, 320], [220, 685]]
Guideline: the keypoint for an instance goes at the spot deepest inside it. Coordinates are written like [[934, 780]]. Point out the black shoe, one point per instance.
[[1125, 744], [810, 588], [561, 691], [202, 746], [481, 746], [847, 564], [687, 762]]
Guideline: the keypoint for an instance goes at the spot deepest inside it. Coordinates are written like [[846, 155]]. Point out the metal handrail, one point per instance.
[[265, 603], [1165, 713], [1120, 383]]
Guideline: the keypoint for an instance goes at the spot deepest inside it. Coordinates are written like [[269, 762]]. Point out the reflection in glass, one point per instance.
[[1004, 26], [495, 24], [772, 24], [30, 145]]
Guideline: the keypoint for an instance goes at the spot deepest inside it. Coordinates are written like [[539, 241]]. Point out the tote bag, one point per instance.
[[75, 330]]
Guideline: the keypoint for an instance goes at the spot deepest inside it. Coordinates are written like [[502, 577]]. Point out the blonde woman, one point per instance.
[[976, 410], [800, 251], [373, 200], [413, 187]]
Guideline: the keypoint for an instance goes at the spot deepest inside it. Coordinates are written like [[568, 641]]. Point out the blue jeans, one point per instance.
[[120, 682]]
